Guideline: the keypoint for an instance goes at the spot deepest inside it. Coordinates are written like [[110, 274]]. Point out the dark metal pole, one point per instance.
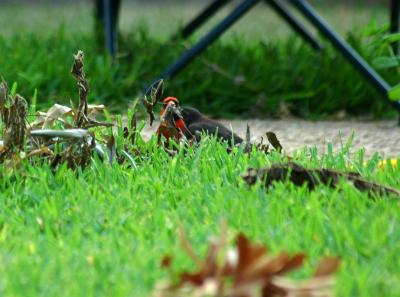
[[348, 52], [295, 23], [199, 20], [116, 9], [213, 35], [394, 21], [111, 11], [108, 28], [99, 22]]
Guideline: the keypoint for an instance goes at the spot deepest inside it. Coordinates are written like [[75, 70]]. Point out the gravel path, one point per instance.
[[382, 137]]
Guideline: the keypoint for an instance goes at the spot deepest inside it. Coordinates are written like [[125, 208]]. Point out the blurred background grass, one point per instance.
[[259, 68], [163, 18]]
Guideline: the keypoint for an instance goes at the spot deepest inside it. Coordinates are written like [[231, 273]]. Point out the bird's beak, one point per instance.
[[177, 111], [172, 112]]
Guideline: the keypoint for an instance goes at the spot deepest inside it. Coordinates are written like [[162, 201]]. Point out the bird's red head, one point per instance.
[[171, 99]]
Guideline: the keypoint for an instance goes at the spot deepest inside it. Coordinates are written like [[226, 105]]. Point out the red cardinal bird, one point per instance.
[[191, 123]]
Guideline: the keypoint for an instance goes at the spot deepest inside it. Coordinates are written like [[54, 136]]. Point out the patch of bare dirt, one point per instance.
[[381, 137]]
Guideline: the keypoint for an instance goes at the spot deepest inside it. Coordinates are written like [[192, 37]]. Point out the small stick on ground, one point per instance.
[[300, 175]]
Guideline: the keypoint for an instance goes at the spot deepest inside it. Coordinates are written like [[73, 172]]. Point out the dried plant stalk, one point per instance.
[[156, 91], [79, 74]]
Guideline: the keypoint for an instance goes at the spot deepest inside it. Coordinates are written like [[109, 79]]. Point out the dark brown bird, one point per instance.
[[177, 120], [197, 123]]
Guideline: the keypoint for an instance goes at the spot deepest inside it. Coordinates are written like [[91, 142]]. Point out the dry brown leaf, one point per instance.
[[246, 271], [273, 139], [95, 109], [56, 113], [326, 266], [43, 151]]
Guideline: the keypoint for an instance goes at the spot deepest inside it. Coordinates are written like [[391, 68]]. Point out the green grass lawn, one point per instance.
[[103, 232]]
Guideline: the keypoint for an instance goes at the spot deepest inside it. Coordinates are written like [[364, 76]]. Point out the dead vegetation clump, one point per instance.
[[13, 110], [60, 135]]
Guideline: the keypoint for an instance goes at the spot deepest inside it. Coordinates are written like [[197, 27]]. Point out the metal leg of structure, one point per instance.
[[199, 20], [394, 25], [98, 9], [110, 18], [348, 52], [294, 22], [394, 21], [99, 21], [207, 40]]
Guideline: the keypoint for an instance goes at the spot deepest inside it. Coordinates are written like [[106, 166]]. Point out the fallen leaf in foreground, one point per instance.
[[246, 270]]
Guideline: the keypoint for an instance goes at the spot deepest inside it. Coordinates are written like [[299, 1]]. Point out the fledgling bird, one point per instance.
[[192, 123]]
